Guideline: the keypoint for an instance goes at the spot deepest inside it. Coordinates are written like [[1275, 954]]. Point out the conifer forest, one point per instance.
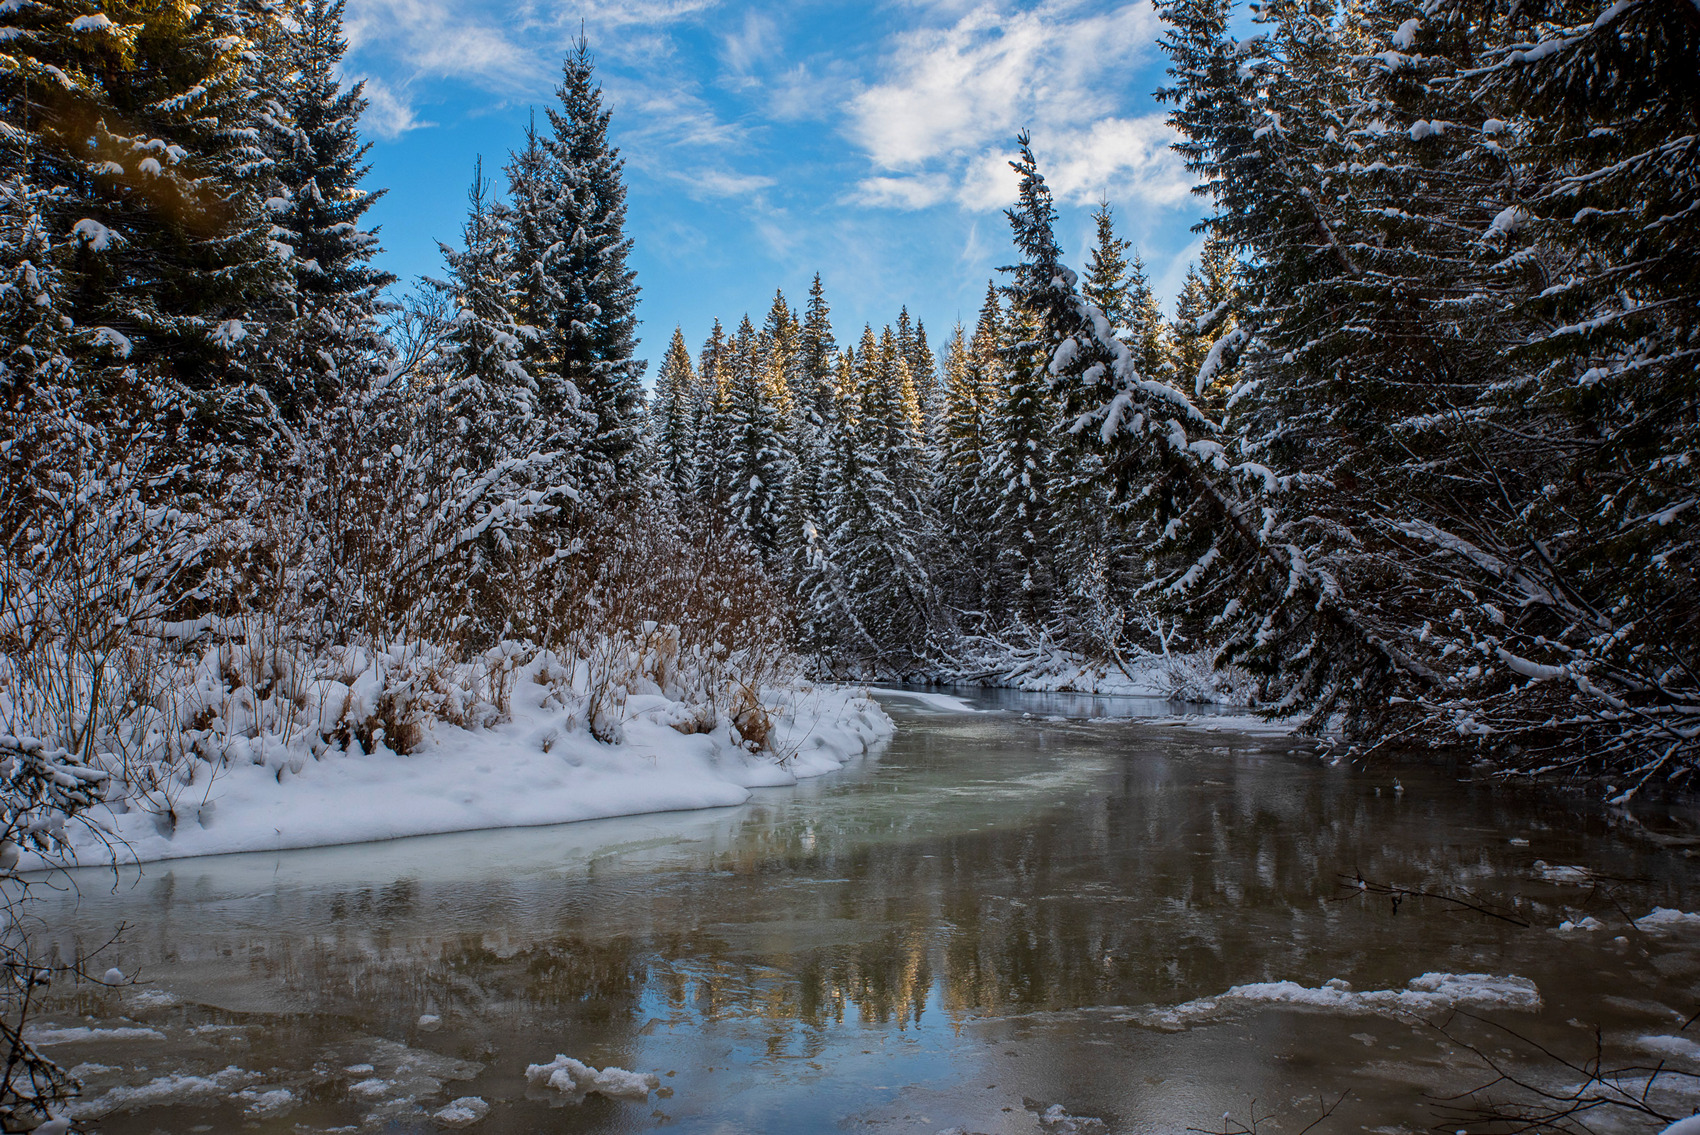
[[1409, 467]]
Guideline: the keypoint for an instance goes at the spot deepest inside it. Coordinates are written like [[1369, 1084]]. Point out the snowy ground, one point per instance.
[[540, 767]]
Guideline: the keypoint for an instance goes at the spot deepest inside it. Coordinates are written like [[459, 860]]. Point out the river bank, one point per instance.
[[542, 765]]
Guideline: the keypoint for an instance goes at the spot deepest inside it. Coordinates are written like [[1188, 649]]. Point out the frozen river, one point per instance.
[[1002, 923]]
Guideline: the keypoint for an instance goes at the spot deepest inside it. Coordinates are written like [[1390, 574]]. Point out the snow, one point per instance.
[[1043, 667], [1689, 1126], [541, 767], [95, 236], [572, 1077], [1432, 992], [1510, 219], [1585, 925]]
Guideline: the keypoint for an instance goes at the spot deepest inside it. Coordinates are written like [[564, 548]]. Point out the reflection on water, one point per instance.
[[953, 934]]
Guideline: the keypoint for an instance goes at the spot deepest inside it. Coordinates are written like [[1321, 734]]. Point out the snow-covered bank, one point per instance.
[[542, 766]]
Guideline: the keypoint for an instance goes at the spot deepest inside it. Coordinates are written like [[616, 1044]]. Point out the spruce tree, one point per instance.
[[757, 463], [673, 416], [488, 391], [330, 336], [813, 386], [871, 575], [1106, 282], [713, 442], [538, 220], [817, 352], [1204, 317], [594, 328]]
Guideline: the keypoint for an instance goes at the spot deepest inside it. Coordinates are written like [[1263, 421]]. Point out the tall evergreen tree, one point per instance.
[[597, 322], [673, 415], [758, 464], [1204, 317], [713, 442], [488, 391], [538, 220], [1106, 282], [330, 337]]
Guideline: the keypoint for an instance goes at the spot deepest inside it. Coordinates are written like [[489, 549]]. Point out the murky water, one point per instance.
[[999, 923]]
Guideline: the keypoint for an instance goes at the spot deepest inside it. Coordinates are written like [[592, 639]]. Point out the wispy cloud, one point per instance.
[[753, 44], [915, 192], [720, 182], [455, 39], [389, 114]]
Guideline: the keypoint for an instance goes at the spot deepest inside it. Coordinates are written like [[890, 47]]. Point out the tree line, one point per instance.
[[916, 499]]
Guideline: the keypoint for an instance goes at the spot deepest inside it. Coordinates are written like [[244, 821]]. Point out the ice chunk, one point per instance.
[[1573, 876], [178, 1087], [573, 1077], [153, 999], [263, 1104], [1669, 1046], [1663, 920], [1589, 923], [1058, 1121], [1432, 992], [463, 1112], [430, 1022], [84, 1033]]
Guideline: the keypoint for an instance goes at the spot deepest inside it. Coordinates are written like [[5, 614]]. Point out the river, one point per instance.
[[1018, 920]]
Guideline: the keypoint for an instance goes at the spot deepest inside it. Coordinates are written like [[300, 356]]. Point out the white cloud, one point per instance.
[[1119, 158], [954, 96]]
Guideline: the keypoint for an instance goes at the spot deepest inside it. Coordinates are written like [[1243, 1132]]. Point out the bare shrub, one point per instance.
[[634, 601]]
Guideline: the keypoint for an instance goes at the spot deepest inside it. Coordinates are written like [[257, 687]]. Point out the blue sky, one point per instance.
[[766, 141]]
